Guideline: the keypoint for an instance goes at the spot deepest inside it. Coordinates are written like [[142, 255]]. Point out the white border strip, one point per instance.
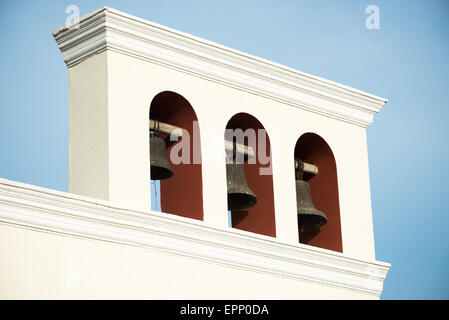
[[72, 215]]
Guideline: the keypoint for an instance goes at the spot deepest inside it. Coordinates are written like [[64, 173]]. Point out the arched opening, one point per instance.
[[260, 217], [312, 149], [182, 194]]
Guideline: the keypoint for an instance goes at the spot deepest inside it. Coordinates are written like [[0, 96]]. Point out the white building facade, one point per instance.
[[102, 240]]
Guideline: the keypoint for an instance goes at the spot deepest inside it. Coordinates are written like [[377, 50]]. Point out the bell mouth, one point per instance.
[[160, 173], [238, 201], [311, 221]]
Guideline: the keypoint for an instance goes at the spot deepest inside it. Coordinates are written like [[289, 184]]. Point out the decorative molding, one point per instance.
[[67, 214], [111, 29]]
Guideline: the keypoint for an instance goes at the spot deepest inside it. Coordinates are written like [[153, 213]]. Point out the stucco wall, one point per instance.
[[131, 85], [39, 265]]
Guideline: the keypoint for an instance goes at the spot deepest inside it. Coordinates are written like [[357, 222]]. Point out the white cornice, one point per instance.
[[63, 213], [111, 29]]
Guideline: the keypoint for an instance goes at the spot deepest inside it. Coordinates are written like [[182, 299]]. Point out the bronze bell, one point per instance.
[[240, 196], [308, 216], [160, 167]]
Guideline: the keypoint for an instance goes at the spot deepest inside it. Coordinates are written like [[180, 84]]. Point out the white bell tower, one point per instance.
[[125, 73]]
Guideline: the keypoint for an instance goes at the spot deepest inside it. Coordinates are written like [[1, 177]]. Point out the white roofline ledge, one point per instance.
[[110, 29], [45, 210]]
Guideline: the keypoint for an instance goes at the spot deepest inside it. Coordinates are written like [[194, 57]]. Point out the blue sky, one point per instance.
[[405, 61]]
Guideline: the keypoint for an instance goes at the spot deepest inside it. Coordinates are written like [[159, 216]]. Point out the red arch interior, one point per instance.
[[311, 148], [259, 218], [183, 193]]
